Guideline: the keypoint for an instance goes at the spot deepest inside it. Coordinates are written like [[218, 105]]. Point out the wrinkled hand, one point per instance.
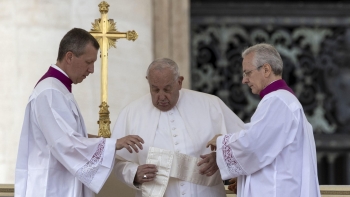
[[233, 185], [149, 170], [212, 142], [208, 163], [130, 141]]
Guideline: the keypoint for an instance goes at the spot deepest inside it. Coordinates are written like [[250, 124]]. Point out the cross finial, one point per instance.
[[103, 7]]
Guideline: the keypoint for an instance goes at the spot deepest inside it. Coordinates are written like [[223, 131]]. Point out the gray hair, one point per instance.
[[265, 53], [163, 63]]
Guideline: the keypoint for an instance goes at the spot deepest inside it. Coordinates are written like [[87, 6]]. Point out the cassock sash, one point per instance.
[[176, 165]]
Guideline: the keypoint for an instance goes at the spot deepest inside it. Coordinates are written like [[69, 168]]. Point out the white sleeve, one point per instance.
[[272, 127], [125, 172], [88, 159], [124, 168], [232, 122]]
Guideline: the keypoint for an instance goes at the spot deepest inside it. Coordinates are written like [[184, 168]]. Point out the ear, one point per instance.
[[267, 70], [68, 57], [179, 80]]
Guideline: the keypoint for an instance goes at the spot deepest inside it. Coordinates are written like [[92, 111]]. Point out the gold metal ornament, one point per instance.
[[104, 121], [105, 32]]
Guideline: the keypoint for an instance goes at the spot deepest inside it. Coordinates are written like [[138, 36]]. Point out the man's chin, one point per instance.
[[163, 107], [254, 91]]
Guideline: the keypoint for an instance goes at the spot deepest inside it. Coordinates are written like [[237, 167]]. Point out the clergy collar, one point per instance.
[[59, 69], [55, 72], [276, 85]]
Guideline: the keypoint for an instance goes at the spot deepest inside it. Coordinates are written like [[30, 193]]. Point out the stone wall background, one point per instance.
[[30, 33]]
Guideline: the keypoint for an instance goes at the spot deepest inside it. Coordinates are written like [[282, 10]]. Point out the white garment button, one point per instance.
[[173, 128], [183, 193], [176, 143], [182, 184], [172, 120], [174, 135], [171, 113]]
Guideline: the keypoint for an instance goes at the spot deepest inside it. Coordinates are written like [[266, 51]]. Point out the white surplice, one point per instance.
[[55, 157], [275, 154], [186, 128]]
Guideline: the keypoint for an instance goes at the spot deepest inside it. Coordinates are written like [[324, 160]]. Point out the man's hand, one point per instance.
[[130, 141], [209, 164], [145, 173], [212, 142], [233, 185]]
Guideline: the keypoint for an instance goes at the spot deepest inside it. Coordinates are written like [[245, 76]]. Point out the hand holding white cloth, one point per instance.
[[145, 173]]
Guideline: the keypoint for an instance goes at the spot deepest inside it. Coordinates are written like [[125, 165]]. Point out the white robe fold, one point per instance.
[[55, 157], [275, 154], [204, 116]]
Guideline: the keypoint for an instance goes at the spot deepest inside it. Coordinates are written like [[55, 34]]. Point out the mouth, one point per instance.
[[163, 104]]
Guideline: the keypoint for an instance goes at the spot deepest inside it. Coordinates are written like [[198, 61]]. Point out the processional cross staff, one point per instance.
[[105, 32]]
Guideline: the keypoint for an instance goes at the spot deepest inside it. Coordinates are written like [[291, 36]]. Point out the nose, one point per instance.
[[245, 80], [161, 96], [91, 68]]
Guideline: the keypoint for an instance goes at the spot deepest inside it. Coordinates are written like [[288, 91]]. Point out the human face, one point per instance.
[[164, 89], [253, 76], [80, 67]]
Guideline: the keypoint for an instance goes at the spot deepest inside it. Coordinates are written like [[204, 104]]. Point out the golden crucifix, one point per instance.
[[105, 32]]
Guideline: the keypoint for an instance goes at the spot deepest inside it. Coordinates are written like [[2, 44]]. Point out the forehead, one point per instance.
[[248, 61], [160, 78], [90, 52]]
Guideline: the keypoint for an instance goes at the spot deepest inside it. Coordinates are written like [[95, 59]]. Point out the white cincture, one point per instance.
[[176, 165]]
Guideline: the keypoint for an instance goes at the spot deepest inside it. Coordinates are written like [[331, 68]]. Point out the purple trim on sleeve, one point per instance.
[[87, 173], [276, 85], [230, 160], [52, 72]]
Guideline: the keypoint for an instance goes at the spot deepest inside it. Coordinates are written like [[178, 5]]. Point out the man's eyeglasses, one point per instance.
[[247, 73]]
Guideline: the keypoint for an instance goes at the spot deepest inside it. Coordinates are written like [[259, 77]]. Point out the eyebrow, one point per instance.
[[153, 86]]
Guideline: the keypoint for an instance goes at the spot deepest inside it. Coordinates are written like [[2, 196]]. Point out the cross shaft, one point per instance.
[[105, 32]]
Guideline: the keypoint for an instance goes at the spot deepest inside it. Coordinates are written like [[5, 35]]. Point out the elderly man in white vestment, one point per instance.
[[55, 156], [176, 120], [275, 154]]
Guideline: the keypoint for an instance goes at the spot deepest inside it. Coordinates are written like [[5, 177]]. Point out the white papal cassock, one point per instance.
[[274, 155], [55, 157], [186, 128]]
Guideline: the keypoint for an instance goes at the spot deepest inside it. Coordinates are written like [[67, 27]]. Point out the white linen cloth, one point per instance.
[[275, 154], [175, 165], [55, 157], [200, 117]]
